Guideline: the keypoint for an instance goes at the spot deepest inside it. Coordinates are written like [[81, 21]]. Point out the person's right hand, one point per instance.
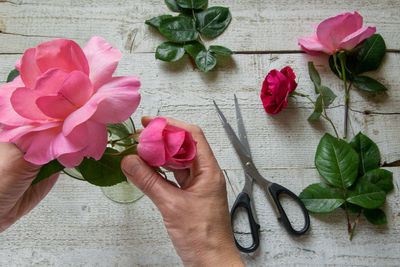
[[196, 215]]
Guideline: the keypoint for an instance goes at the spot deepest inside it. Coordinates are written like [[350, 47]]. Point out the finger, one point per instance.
[[147, 179], [205, 159]]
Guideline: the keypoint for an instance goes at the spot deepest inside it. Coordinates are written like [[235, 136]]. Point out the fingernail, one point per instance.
[[130, 165]]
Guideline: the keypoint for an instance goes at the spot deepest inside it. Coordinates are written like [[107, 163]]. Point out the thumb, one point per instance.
[[147, 179]]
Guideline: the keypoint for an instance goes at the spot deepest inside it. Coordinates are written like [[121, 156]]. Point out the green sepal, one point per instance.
[[12, 75]]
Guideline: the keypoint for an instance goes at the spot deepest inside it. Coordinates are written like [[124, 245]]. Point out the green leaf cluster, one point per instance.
[[367, 56], [185, 30], [325, 96], [12, 75], [352, 178], [107, 170]]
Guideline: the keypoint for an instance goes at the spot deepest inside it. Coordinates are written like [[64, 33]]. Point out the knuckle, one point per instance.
[[149, 180], [196, 130]]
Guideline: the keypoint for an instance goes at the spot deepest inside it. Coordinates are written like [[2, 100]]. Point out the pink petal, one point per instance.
[[70, 160], [57, 107], [333, 30], [61, 53], [50, 81], [38, 146], [97, 133], [357, 37], [312, 46], [185, 160], [18, 64], [7, 132], [77, 88], [94, 148], [114, 102], [8, 116], [174, 139], [77, 140], [29, 69], [103, 60], [23, 101], [151, 144]]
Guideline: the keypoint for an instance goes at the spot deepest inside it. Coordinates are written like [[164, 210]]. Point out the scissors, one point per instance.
[[273, 190]]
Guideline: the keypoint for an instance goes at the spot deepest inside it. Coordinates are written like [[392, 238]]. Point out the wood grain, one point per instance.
[[76, 225]]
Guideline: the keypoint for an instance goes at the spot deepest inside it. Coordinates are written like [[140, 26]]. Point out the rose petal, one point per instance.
[[357, 37], [114, 102], [50, 81], [70, 160], [312, 46], [97, 133], [151, 144], [103, 60], [8, 116], [174, 139], [29, 69], [56, 106], [77, 140], [288, 72], [185, 160], [23, 101], [76, 88], [63, 54], [333, 30]]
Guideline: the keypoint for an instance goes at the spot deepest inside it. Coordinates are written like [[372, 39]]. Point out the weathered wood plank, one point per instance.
[[77, 225], [259, 25]]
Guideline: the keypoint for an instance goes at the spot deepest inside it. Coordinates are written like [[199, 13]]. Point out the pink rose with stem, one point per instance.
[[334, 36], [60, 104]]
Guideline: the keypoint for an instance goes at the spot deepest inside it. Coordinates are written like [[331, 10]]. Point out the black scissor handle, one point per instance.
[[243, 201], [276, 190]]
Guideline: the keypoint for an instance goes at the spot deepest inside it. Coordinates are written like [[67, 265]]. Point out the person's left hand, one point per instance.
[[17, 196]]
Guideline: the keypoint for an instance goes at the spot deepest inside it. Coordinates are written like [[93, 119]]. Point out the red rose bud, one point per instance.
[[276, 88]]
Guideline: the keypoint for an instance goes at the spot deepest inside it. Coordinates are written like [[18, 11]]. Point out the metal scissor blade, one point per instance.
[[241, 129], [244, 156]]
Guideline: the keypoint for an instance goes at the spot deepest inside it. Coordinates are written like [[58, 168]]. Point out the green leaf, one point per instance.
[[366, 195], [193, 48], [156, 21], [336, 161], [179, 29], [170, 51], [47, 170], [321, 198], [368, 151], [205, 60], [213, 21], [327, 95], [371, 54], [381, 178], [375, 216], [314, 76], [221, 50], [12, 75], [104, 172], [317, 110], [368, 84], [195, 4], [172, 5]]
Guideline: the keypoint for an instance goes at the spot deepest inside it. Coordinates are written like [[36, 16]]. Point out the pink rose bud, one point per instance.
[[60, 104], [161, 144], [343, 32], [276, 88]]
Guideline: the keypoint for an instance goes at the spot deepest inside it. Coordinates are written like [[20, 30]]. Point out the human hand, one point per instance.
[[196, 215], [17, 196]]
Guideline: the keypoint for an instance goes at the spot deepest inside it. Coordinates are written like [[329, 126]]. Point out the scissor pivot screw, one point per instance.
[[248, 164]]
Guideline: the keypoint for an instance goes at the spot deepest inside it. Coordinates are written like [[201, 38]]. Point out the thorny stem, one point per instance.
[[342, 59], [347, 213], [355, 224]]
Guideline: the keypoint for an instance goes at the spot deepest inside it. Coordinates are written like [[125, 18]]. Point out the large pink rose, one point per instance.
[[276, 88], [59, 106], [342, 32], [161, 144]]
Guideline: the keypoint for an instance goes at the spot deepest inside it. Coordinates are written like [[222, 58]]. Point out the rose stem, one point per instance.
[[355, 224], [342, 59], [325, 116], [347, 213]]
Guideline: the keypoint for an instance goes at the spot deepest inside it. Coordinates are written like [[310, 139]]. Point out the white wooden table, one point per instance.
[[76, 225]]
